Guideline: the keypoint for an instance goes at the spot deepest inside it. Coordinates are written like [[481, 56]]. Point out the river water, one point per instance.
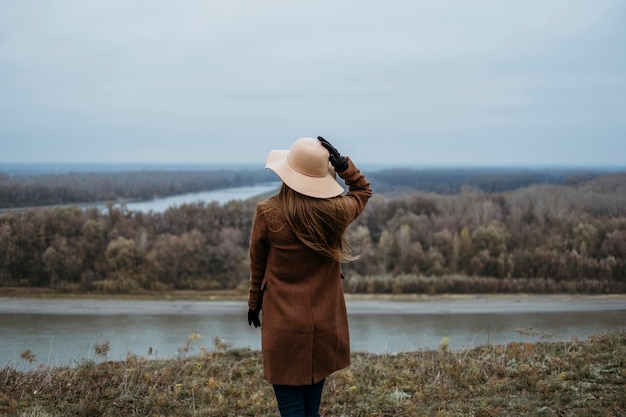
[[64, 332], [221, 196]]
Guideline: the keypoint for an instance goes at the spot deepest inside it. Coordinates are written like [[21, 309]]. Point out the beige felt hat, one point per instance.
[[305, 168]]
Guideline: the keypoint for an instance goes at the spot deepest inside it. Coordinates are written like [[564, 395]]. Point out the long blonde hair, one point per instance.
[[319, 223]]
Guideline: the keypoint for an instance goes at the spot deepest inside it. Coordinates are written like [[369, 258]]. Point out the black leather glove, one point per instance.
[[338, 162], [253, 318]]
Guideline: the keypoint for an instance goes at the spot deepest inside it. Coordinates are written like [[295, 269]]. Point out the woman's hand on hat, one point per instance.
[[338, 162]]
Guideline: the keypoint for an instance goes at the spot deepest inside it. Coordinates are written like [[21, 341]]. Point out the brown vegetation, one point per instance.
[[542, 238], [581, 378]]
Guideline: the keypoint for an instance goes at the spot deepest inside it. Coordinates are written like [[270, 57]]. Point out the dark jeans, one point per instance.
[[301, 401]]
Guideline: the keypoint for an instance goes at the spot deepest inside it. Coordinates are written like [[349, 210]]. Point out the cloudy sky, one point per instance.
[[450, 82]]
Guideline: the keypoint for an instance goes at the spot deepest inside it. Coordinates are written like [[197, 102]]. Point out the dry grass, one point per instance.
[[575, 378]]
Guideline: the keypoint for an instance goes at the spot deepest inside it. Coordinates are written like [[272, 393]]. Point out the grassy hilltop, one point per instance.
[[574, 378]]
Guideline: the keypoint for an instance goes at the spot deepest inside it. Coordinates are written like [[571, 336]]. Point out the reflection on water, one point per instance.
[[63, 339]]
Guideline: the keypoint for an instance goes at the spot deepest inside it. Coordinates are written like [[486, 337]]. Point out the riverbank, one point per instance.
[[211, 303], [584, 378], [242, 294], [47, 293]]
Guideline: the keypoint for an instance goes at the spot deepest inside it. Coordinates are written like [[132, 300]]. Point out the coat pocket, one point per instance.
[[263, 285]]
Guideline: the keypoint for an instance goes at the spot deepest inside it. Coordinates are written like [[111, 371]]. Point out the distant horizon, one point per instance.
[[66, 167]]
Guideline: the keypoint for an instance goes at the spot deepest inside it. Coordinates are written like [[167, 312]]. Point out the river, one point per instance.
[[158, 205], [221, 196], [62, 332]]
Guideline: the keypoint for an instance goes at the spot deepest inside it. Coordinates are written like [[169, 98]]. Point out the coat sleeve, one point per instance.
[[259, 247], [359, 189]]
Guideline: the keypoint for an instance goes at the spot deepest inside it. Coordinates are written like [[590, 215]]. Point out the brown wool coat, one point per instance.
[[304, 331]]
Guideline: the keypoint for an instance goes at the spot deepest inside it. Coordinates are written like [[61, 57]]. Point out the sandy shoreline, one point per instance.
[[470, 304]]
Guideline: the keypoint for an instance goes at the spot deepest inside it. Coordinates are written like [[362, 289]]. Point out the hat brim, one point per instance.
[[318, 187]]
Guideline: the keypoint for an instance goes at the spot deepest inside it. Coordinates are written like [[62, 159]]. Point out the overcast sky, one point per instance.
[[449, 82]]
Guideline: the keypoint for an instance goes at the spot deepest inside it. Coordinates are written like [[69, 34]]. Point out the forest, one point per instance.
[[472, 231], [29, 189]]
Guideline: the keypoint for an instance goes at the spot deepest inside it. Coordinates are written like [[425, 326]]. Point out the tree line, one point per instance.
[[540, 238], [28, 189], [489, 180]]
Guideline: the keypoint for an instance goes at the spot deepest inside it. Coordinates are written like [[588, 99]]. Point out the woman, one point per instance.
[[296, 246]]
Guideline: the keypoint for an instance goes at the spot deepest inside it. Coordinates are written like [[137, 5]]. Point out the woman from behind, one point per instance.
[[297, 243]]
